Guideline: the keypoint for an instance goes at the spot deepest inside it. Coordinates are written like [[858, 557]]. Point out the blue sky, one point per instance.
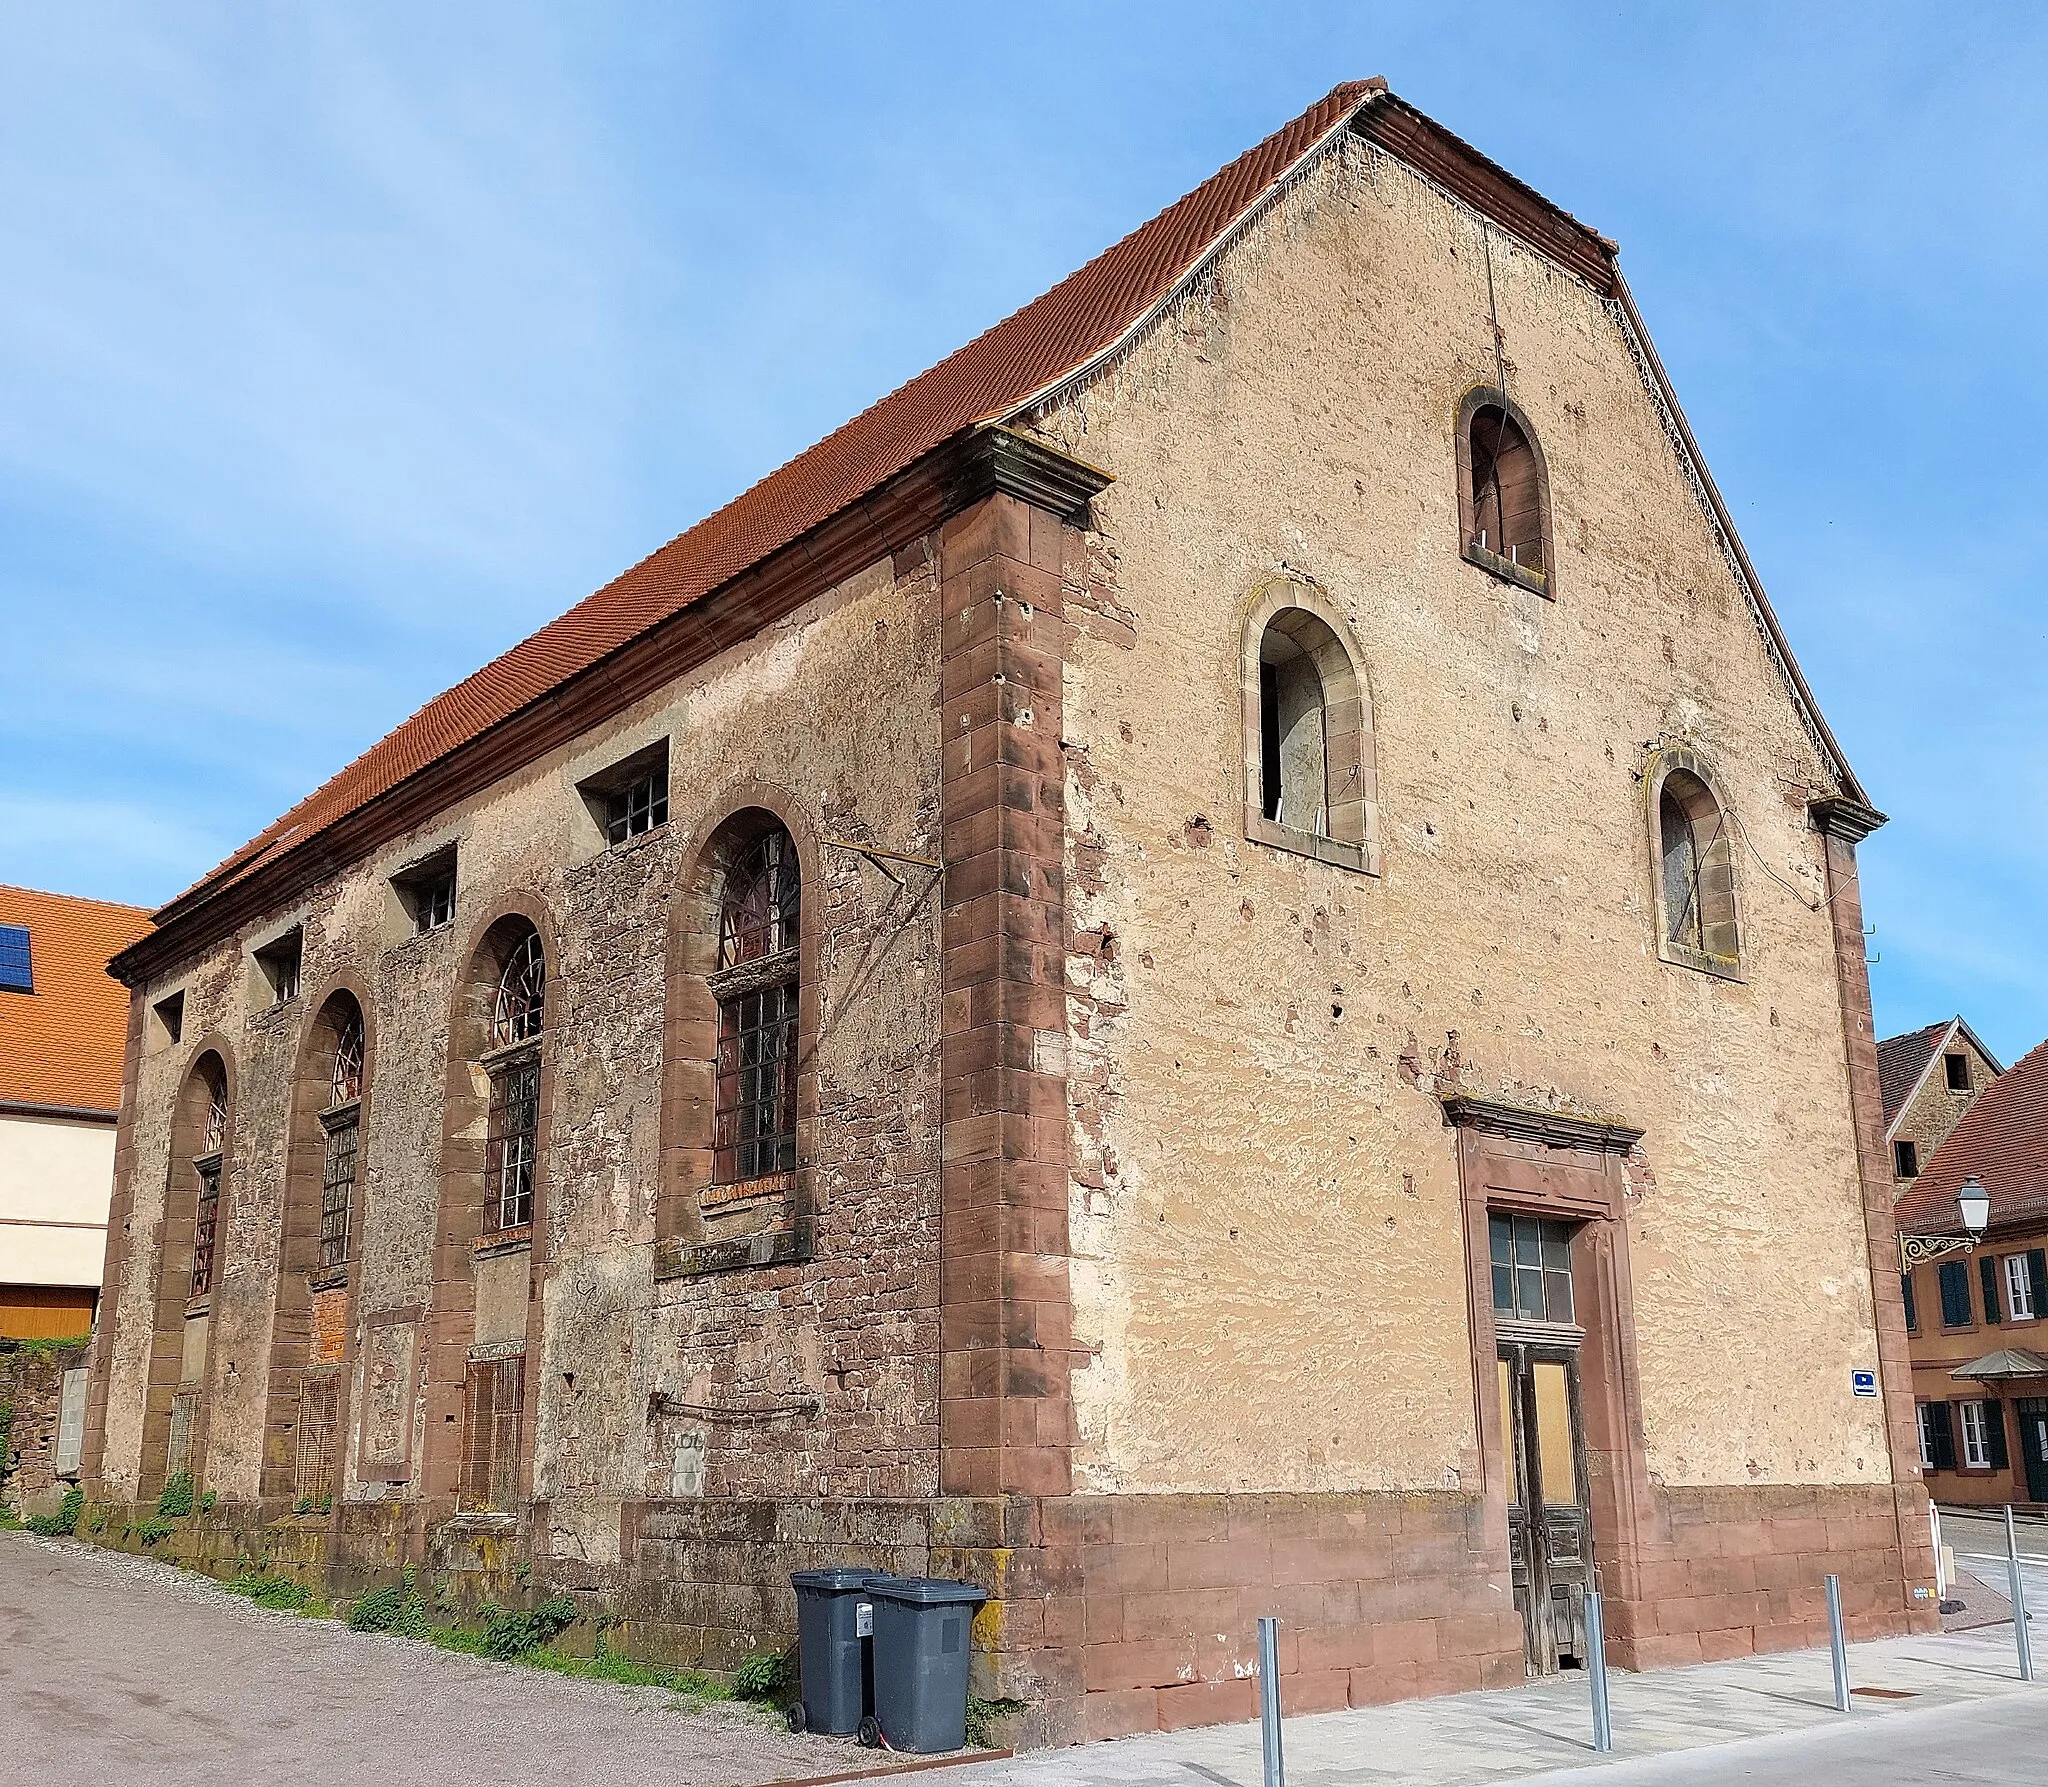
[[341, 346]]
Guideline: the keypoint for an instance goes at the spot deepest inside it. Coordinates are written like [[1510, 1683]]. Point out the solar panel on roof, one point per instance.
[[14, 959]]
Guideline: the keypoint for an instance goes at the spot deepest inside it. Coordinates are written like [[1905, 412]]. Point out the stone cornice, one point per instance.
[[1553, 1129], [953, 476], [1840, 817]]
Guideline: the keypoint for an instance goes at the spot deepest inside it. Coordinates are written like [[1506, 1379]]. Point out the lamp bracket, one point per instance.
[[1919, 1250]]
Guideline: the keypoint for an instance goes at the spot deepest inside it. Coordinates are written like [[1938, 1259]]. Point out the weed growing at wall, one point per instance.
[[176, 1500], [985, 1719], [267, 1590], [63, 1523], [765, 1676], [400, 1609], [154, 1531]]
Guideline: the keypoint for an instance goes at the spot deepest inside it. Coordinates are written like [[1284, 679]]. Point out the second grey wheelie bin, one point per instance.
[[922, 1631]]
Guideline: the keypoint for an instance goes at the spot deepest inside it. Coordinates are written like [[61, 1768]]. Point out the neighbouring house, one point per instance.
[[63, 1031], [1202, 967], [1929, 1079], [1979, 1320]]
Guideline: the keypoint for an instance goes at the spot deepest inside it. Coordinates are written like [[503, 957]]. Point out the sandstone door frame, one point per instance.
[[1566, 1169]]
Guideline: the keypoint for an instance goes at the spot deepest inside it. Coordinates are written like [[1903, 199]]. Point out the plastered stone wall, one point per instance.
[[833, 708], [1268, 1282]]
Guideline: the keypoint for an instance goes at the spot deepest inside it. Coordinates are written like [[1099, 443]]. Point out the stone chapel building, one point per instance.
[[1208, 965]]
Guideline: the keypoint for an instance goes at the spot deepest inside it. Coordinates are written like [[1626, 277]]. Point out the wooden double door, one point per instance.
[[1550, 1526]]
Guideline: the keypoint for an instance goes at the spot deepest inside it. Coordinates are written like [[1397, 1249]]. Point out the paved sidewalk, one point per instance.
[[1516, 1733]]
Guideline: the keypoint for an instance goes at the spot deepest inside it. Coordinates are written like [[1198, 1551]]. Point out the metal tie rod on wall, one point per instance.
[[2017, 1584], [1275, 1766], [1838, 1651], [1596, 1673]]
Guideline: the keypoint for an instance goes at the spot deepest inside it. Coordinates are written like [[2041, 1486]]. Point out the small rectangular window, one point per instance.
[[170, 1017], [16, 971], [1912, 1308], [1906, 1159], [1976, 1449], [1958, 1067], [1926, 1414], [337, 1191], [509, 1145], [630, 798], [1955, 1294], [2019, 1288], [279, 964], [426, 889]]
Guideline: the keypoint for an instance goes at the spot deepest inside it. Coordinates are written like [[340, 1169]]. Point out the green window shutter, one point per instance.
[[1955, 1293], [1906, 1291], [1994, 1434], [1987, 1271], [1944, 1436], [2037, 1276]]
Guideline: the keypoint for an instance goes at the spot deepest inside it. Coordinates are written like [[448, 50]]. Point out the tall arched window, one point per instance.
[[1310, 773], [756, 986], [307, 1391], [1503, 499], [1695, 853], [188, 1273], [512, 1138]]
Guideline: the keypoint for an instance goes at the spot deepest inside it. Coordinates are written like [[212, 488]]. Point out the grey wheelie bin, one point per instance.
[[921, 1649], [832, 1622]]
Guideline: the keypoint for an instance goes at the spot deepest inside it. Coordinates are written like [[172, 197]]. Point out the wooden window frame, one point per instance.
[[1723, 863], [1484, 397]]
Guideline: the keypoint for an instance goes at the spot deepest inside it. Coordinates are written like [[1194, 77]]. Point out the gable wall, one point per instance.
[[1934, 1110], [1269, 1279]]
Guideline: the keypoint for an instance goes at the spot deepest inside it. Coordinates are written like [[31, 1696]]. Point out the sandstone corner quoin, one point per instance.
[[1206, 966]]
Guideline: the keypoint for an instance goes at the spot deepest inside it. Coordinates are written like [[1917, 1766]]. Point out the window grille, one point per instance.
[[16, 969], [215, 1134], [346, 1086], [493, 1389], [319, 1418], [509, 1145], [1532, 1269], [517, 1012], [205, 1224], [184, 1418], [337, 1192], [638, 807], [759, 925]]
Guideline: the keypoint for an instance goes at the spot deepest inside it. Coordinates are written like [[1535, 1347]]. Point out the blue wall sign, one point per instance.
[[1864, 1383]]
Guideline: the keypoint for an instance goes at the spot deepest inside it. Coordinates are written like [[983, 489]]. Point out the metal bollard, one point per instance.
[[1596, 1669], [1838, 1650], [1269, 1703], [2017, 1584]]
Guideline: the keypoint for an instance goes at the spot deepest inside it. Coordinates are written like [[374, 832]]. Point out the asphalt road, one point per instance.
[[1987, 1743], [119, 1672]]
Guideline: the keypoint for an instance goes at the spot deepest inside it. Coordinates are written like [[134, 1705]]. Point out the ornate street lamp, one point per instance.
[[1973, 1204]]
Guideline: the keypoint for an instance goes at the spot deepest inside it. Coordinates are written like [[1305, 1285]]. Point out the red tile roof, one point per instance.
[[1901, 1060], [62, 1043], [1048, 339], [2002, 1140]]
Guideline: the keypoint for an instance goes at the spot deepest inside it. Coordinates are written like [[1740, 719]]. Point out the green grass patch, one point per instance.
[[267, 1590], [63, 1523]]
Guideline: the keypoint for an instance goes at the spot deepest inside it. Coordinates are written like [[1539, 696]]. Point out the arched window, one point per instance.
[[756, 985], [1309, 765], [188, 1274], [512, 1137], [1696, 872], [1503, 502]]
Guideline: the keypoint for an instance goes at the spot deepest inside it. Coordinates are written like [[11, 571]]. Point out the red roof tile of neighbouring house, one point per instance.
[[1901, 1060], [62, 1042], [2002, 1140]]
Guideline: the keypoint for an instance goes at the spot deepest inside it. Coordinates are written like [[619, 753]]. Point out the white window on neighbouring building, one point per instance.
[[1926, 1413], [1976, 1448], [2019, 1288]]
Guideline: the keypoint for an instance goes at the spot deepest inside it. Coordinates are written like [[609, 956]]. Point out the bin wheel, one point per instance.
[[798, 1718], [870, 1733]]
